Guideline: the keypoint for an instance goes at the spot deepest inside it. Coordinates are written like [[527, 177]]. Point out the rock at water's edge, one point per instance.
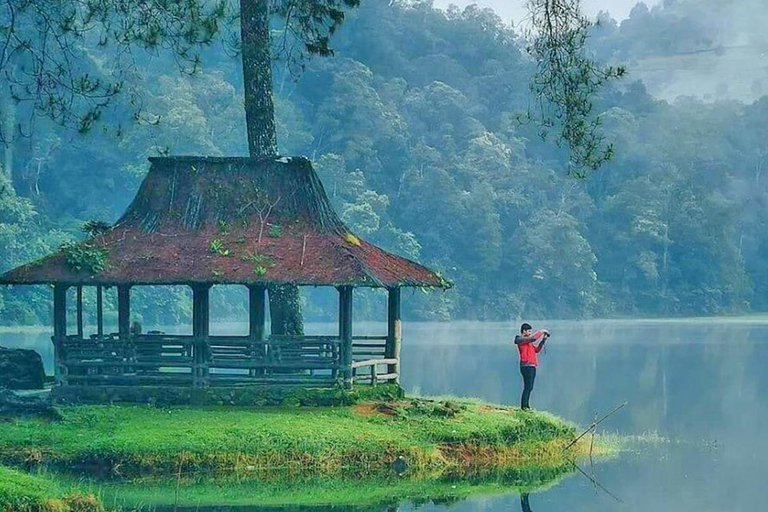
[[21, 369]]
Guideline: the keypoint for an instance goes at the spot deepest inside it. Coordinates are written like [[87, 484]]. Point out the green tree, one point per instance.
[[45, 42], [566, 81]]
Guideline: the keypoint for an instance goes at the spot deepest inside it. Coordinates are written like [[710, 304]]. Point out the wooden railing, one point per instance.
[[372, 375], [369, 360], [199, 361]]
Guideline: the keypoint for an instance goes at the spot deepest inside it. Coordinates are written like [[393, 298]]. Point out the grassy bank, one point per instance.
[[22, 492], [365, 439]]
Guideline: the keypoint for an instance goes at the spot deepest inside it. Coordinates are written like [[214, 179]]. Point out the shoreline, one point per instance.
[[422, 443], [757, 318]]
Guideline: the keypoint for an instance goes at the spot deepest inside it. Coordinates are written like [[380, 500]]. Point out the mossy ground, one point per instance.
[[131, 440], [343, 452]]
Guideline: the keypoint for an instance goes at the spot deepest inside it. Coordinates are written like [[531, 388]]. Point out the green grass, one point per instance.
[[24, 492], [330, 440]]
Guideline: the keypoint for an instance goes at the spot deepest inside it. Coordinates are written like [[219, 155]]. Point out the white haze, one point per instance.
[[734, 65], [514, 10]]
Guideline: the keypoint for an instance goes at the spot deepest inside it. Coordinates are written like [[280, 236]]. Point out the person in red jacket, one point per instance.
[[529, 346]]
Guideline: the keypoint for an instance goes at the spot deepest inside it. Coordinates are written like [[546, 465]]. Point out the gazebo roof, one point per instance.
[[230, 221]]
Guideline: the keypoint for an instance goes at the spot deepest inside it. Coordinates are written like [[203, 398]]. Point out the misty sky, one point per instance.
[[515, 9]]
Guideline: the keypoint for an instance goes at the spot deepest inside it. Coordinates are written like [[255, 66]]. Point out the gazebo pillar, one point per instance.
[[124, 311], [100, 310], [200, 330], [394, 332], [59, 328], [345, 333], [80, 311], [257, 312]]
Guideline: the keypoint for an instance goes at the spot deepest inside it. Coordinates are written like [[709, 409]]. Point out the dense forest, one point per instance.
[[416, 128]]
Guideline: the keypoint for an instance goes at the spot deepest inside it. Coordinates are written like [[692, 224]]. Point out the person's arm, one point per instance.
[[543, 340], [520, 340]]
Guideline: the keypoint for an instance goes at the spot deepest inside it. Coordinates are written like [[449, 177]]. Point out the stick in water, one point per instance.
[[596, 423]]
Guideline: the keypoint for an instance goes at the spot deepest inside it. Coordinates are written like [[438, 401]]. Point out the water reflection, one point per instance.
[[702, 385], [524, 504], [286, 492]]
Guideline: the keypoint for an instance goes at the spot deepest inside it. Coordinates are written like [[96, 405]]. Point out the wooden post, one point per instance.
[[394, 332], [99, 310], [59, 331], [124, 323], [80, 311], [257, 298], [124, 311], [345, 333], [200, 330]]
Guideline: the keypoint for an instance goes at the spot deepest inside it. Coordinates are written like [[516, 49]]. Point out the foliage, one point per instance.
[[96, 227], [217, 247], [23, 492], [49, 70], [567, 80], [275, 231], [414, 132], [257, 258], [84, 256]]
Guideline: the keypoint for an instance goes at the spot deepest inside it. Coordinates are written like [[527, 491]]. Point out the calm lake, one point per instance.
[[697, 390]]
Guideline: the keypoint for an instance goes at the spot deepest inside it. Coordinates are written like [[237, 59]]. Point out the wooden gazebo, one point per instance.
[[203, 221]]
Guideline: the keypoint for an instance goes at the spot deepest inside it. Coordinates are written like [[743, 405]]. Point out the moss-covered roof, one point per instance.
[[228, 220]]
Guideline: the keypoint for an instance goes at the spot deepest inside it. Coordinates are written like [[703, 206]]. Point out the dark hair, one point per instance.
[[525, 327]]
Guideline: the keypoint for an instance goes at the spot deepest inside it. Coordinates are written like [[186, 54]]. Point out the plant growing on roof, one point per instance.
[[275, 231], [260, 271], [256, 258], [217, 247], [96, 227], [83, 256]]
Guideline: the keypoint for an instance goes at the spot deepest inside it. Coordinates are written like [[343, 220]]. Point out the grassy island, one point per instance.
[[360, 439], [420, 442]]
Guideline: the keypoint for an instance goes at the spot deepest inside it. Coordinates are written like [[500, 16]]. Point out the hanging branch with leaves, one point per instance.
[[566, 82]]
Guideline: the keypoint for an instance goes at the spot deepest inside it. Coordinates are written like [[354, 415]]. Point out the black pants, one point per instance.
[[529, 375]]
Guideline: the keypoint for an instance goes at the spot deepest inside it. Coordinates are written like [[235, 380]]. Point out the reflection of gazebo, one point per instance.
[[200, 222]]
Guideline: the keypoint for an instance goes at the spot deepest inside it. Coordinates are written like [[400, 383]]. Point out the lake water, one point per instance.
[[701, 386]]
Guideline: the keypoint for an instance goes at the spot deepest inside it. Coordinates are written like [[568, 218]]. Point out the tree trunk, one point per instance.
[[284, 301], [285, 310], [257, 78]]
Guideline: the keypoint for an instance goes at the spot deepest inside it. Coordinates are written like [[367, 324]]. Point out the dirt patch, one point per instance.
[[379, 408], [365, 409], [491, 408]]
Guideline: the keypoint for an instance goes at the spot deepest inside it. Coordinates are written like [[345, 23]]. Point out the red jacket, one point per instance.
[[529, 351]]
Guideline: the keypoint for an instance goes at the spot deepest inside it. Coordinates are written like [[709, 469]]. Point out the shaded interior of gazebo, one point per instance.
[[203, 221]]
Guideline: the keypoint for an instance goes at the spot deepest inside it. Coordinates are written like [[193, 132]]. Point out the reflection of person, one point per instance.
[[529, 346], [524, 503]]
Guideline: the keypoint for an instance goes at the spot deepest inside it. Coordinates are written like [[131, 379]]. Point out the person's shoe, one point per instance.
[[526, 409]]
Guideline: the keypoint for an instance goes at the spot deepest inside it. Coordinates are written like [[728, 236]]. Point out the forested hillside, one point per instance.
[[414, 127]]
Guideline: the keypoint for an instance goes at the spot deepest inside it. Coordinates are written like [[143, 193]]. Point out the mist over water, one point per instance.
[[699, 385]]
